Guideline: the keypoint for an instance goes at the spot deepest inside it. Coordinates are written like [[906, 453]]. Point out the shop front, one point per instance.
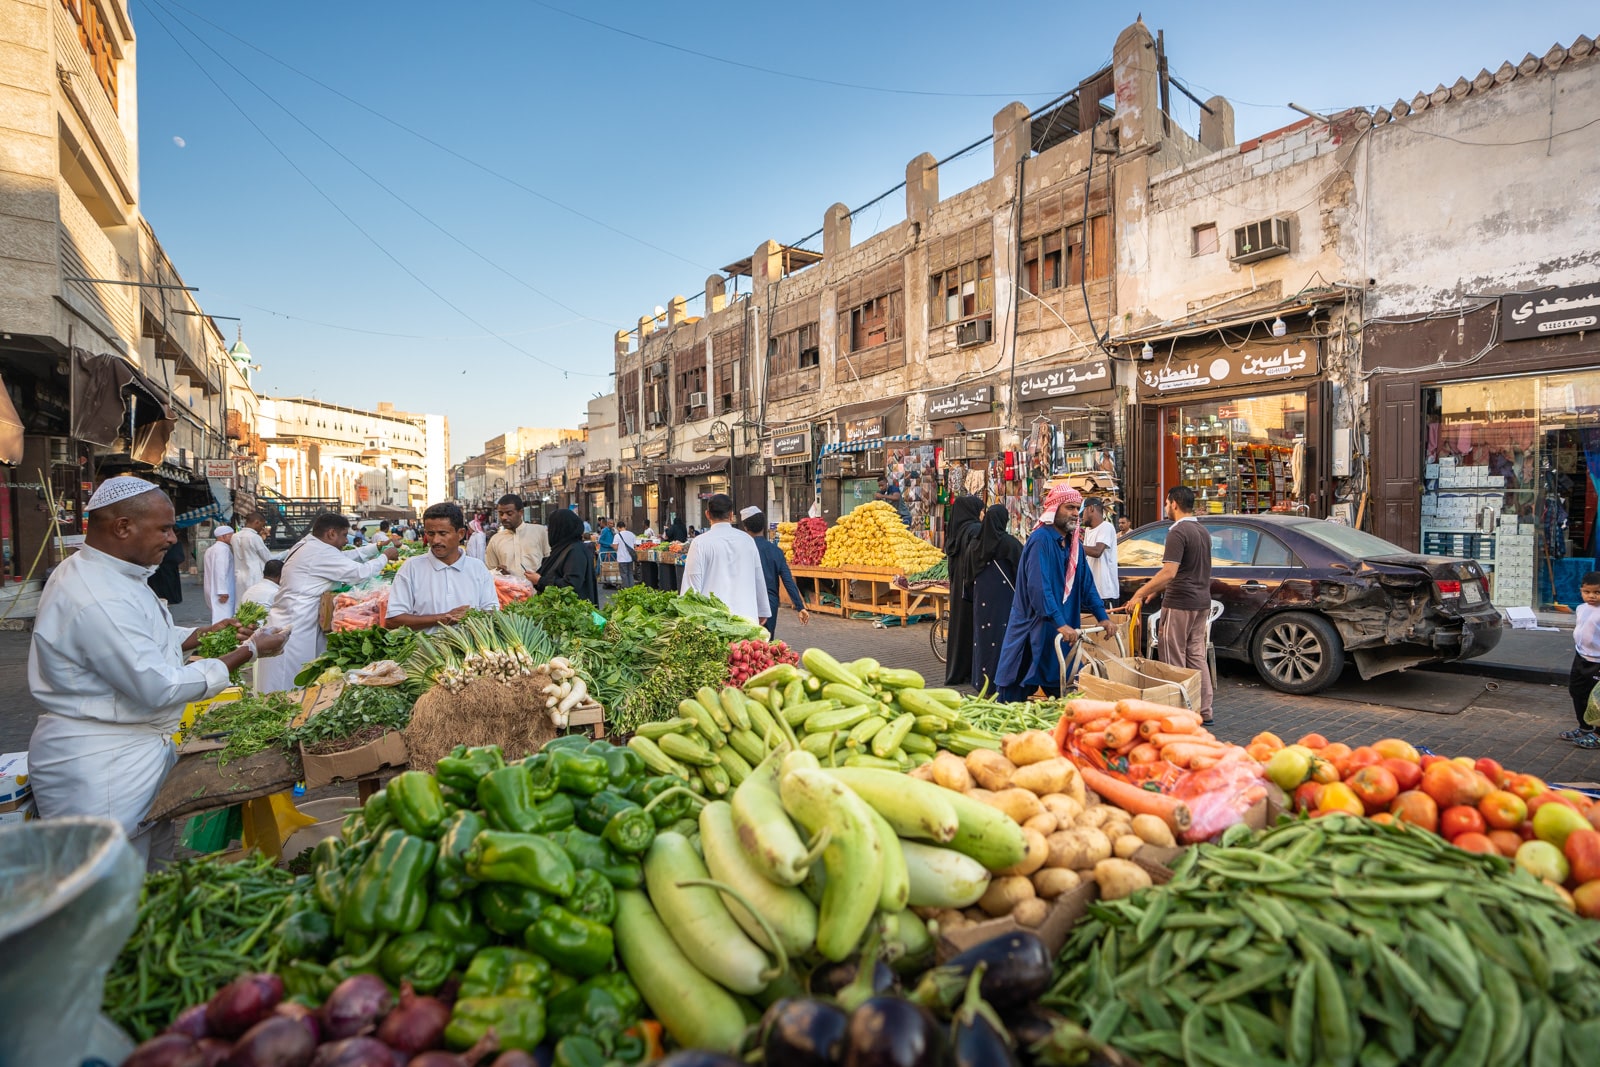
[[1067, 416], [642, 503], [694, 482], [860, 454], [1242, 427], [791, 468], [1499, 461]]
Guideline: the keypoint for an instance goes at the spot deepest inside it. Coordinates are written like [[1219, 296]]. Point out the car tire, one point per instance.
[[1297, 653]]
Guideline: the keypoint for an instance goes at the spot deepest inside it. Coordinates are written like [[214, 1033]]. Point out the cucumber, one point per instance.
[[653, 730], [695, 1010], [792, 917], [837, 718]]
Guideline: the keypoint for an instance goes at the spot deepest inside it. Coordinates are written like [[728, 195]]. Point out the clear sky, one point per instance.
[[579, 176]]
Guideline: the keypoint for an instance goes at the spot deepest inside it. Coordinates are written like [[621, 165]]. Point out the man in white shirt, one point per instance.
[[444, 583], [250, 553], [107, 665], [219, 577], [626, 546], [517, 548], [1100, 546], [311, 568], [265, 592], [723, 561]]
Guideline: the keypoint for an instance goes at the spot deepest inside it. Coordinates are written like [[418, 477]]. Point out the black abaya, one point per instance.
[[166, 582], [963, 529], [991, 557]]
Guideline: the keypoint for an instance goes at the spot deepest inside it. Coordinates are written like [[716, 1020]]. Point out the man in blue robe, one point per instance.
[[1054, 590]]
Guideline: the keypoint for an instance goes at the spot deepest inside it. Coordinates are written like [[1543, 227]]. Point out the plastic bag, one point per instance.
[[509, 588], [362, 606], [69, 898], [1591, 713]]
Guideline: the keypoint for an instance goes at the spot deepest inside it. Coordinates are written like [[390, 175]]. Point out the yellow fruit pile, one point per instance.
[[786, 539], [873, 536]]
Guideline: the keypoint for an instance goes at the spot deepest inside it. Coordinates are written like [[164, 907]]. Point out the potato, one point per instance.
[[991, 770], [1064, 808], [1005, 893], [1094, 816], [1020, 804], [1120, 878], [951, 918], [1051, 882], [950, 771], [1115, 827], [1079, 849], [1030, 912], [1124, 846], [926, 914], [1033, 859], [922, 772], [1153, 829], [1048, 776], [1044, 822], [1030, 746]]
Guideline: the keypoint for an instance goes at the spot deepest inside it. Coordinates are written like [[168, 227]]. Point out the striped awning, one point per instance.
[[198, 515], [866, 445]]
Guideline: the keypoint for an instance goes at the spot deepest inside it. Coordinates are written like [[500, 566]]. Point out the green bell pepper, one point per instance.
[[360, 957], [624, 766], [458, 923], [306, 982], [509, 909], [629, 830], [570, 942], [578, 1051], [327, 868], [589, 852], [352, 827], [531, 860], [593, 898], [450, 870], [422, 958], [511, 972], [560, 982], [465, 767], [594, 812], [375, 813], [390, 890], [308, 934], [416, 802], [600, 1007], [543, 782], [576, 771], [668, 809], [577, 742], [518, 1022], [507, 797]]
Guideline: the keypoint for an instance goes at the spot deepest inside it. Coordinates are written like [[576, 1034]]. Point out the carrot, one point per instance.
[[1092, 739], [1185, 754], [1203, 763], [1136, 801], [1121, 733], [1174, 724], [1083, 709], [1140, 710], [1145, 753], [1163, 740]]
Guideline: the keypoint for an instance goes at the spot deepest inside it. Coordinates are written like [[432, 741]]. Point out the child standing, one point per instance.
[[1586, 661]]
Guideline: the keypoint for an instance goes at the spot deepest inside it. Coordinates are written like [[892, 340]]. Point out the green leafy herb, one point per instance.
[[349, 649], [251, 614], [219, 643], [250, 724], [355, 709]]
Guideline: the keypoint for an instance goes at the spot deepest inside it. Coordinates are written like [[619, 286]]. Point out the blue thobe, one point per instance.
[[1027, 657]]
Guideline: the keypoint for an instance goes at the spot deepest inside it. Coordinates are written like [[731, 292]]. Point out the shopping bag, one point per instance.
[[1138, 678]]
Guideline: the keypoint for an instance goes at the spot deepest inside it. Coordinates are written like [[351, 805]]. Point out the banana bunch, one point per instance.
[[873, 536], [786, 539]]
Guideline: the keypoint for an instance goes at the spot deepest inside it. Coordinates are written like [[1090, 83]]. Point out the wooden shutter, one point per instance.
[[1396, 507]]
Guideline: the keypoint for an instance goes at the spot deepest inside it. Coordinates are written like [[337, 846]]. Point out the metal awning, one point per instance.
[[863, 446]]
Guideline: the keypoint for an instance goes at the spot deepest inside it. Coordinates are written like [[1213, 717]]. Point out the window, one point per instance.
[[691, 382], [796, 349], [1143, 549], [1203, 240], [963, 292], [875, 322], [1059, 258]]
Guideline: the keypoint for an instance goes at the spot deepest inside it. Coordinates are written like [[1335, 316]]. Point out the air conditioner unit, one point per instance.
[[697, 400], [658, 418], [873, 460], [836, 466], [1260, 240], [976, 332], [656, 370]]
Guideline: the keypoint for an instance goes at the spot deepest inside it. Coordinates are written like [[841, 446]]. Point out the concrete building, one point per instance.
[[317, 449]]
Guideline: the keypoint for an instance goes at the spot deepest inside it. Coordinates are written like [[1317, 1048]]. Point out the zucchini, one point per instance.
[[752, 748], [779, 674], [837, 718], [885, 741], [850, 695], [693, 1008], [823, 666], [796, 714], [687, 750], [896, 678], [733, 708], [704, 724], [654, 730], [737, 767]]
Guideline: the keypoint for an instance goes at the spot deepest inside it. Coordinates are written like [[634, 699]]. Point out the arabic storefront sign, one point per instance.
[[864, 429], [967, 400], [599, 466], [791, 449], [1087, 377], [1225, 369], [1568, 310], [695, 468]]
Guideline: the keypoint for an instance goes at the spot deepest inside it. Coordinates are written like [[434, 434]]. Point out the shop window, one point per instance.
[[1203, 240], [875, 322], [1241, 457], [963, 292]]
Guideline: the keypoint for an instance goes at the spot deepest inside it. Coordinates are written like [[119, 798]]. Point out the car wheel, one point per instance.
[[1297, 653]]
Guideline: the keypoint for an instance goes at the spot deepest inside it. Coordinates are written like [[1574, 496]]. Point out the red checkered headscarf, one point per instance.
[[1064, 494]]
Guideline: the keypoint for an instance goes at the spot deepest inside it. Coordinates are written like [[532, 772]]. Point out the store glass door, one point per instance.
[[1241, 457]]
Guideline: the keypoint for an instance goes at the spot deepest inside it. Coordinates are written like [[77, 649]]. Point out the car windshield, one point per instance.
[[1352, 542]]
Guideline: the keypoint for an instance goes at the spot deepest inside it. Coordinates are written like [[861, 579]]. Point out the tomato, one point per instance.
[[1475, 842], [1586, 898], [1461, 819], [1583, 853], [1450, 784], [1556, 822], [1260, 752], [1313, 741], [1338, 796], [1506, 842], [1365, 756], [1375, 786], [1525, 786], [1543, 860], [1307, 795], [1546, 798], [1336, 754], [1579, 800], [1394, 748], [1417, 808], [1406, 772], [1491, 770], [1594, 816], [1324, 771], [1429, 759], [1266, 737], [1503, 810], [1383, 817], [1289, 767]]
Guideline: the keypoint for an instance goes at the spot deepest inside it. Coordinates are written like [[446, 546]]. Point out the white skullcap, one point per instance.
[[222, 531], [749, 511], [115, 490]]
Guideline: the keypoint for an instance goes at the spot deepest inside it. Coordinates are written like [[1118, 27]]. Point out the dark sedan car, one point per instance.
[[1297, 594]]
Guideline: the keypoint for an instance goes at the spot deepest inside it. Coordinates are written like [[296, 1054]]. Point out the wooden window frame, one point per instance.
[[797, 349], [1057, 258], [962, 293], [1195, 242], [866, 317]]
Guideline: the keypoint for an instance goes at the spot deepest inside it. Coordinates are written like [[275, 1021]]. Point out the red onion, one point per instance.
[[306, 1017], [242, 1003], [166, 1050], [416, 1024], [276, 1041], [215, 1050], [515, 1058], [355, 1007], [357, 1052], [191, 1021], [486, 1044]]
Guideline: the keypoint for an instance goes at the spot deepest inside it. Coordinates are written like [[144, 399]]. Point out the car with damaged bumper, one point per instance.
[[1300, 596]]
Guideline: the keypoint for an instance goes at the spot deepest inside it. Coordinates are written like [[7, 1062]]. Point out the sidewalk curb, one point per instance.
[[1508, 672]]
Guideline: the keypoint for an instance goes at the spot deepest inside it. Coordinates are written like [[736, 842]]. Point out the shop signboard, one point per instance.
[[967, 400], [791, 449], [219, 468], [1225, 369], [1565, 310], [598, 466], [864, 429], [1089, 377]]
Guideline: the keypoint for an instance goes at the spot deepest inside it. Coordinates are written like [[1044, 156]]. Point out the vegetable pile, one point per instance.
[[359, 714], [251, 614], [873, 536], [253, 723], [810, 542], [349, 649], [746, 659]]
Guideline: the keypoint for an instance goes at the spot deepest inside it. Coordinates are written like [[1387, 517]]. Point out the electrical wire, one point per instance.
[[398, 336]]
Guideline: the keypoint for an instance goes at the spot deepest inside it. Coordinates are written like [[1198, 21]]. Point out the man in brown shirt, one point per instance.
[[1185, 576]]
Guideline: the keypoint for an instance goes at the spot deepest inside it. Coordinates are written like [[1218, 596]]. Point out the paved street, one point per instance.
[[1513, 722]]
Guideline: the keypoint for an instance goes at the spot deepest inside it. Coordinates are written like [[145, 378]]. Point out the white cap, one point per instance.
[[749, 511], [115, 490], [222, 531]]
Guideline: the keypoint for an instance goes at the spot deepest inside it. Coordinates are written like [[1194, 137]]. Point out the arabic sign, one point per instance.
[[954, 403], [1250, 367], [789, 449], [864, 429], [1568, 310], [1065, 381], [599, 466], [219, 468]]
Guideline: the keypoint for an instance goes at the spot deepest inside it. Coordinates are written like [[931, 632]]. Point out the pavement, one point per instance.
[[1511, 720], [1542, 656]]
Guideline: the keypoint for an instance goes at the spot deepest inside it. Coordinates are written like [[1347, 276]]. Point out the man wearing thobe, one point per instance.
[[265, 592], [517, 548], [250, 553], [1054, 587], [444, 583], [724, 562], [107, 665], [774, 569], [310, 569], [219, 577]]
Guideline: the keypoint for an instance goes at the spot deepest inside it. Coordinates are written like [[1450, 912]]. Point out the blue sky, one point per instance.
[[681, 163]]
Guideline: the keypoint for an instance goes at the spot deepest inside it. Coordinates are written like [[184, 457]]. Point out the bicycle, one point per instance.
[[939, 637]]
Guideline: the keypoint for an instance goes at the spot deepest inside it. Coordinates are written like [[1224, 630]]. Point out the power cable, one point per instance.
[[401, 336]]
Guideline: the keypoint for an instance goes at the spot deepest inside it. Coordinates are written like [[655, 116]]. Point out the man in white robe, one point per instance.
[[311, 568], [107, 665], [724, 562], [250, 553], [217, 581]]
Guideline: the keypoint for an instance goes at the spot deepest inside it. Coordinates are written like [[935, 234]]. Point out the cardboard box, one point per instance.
[[387, 751], [24, 812], [14, 787]]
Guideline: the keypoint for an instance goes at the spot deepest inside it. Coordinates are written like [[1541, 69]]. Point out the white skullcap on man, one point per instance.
[[116, 490], [222, 531], [749, 511]]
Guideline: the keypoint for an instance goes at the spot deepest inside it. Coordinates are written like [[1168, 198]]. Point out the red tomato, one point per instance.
[[1394, 748], [1313, 741], [1503, 810], [1548, 797], [1450, 784], [1461, 819], [1417, 808], [1307, 795], [1525, 786], [1407, 773], [1429, 759], [1586, 898], [1506, 842], [1583, 853], [1375, 786], [1475, 842], [1365, 756], [1491, 770]]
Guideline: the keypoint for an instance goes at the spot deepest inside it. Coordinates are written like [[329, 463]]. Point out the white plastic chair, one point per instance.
[[1211, 650]]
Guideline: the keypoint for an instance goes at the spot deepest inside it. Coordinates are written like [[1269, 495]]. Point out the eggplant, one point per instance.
[[1032, 1025], [827, 980], [166, 1050], [977, 1036], [1016, 973], [802, 1033], [699, 1058], [890, 1032]]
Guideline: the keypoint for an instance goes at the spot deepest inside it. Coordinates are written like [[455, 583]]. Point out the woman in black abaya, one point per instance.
[[992, 562], [960, 532]]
